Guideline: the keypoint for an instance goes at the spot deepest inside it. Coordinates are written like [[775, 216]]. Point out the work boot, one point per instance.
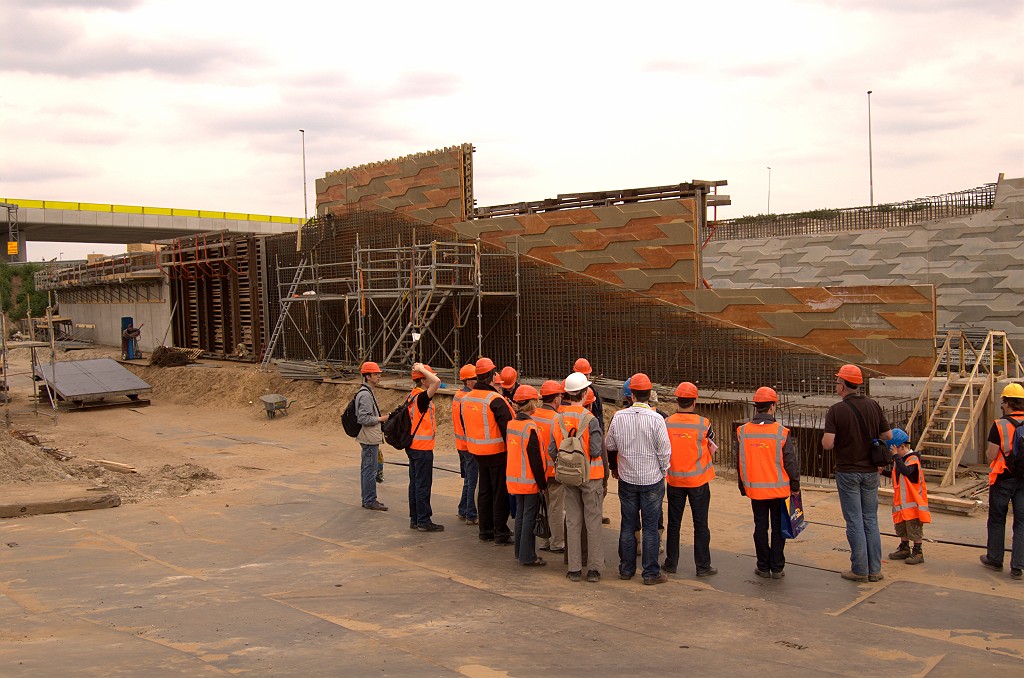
[[574, 575], [668, 567], [917, 557], [430, 527], [375, 506], [593, 576], [850, 575], [764, 574], [901, 553], [660, 579], [1016, 573], [709, 572], [990, 564]]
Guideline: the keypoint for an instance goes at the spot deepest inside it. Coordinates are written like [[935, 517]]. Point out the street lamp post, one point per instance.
[[871, 170], [769, 190], [305, 201]]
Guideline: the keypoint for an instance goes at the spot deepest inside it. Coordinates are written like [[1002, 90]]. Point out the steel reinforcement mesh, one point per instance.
[[562, 316]]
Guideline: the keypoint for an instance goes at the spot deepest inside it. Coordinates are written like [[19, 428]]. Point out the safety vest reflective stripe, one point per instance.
[[518, 460], [483, 436], [545, 420], [691, 464], [423, 438], [998, 465], [460, 431], [761, 469], [910, 500]]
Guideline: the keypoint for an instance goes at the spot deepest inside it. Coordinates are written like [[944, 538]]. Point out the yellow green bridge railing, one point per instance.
[[158, 211]]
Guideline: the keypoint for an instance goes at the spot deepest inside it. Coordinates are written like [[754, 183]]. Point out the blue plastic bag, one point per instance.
[[793, 522]]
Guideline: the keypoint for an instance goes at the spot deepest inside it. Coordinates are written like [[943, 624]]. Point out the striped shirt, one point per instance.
[[640, 437]]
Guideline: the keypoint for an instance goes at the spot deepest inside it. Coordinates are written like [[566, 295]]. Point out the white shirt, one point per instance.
[[640, 436]]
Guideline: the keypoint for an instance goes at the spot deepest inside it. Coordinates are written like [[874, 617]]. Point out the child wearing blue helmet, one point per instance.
[[909, 499]]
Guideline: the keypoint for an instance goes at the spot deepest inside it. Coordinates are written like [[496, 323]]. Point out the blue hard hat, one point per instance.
[[899, 437], [626, 390]]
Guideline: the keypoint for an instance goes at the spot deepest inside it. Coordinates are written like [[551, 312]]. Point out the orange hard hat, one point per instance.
[[640, 382], [369, 368], [582, 365], [766, 395], [589, 397], [686, 390], [416, 374], [508, 377], [524, 393], [467, 372], [484, 365], [550, 387], [850, 373]]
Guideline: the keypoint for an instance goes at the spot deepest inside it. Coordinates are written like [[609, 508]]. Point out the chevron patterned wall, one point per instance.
[[888, 328], [976, 263], [435, 187], [646, 247]]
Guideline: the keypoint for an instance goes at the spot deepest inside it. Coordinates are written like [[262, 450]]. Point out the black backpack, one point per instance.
[[1015, 459], [398, 431], [349, 422]]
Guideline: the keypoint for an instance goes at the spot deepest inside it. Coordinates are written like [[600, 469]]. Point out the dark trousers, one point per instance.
[[527, 506], [421, 478], [771, 557], [1001, 494], [492, 498], [700, 501]]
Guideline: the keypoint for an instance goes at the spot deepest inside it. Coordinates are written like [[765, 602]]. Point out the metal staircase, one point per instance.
[[969, 375]]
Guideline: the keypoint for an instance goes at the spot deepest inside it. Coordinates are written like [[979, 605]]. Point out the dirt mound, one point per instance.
[[21, 462], [165, 481]]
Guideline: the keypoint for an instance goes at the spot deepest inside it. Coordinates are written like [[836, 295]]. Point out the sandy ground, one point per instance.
[[258, 524]]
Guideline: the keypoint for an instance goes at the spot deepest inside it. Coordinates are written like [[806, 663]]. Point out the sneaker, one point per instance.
[[766, 574], [915, 559], [902, 553], [375, 506], [990, 564], [660, 579], [850, 575], [669, 568], [711, 571], [876, 577], [593, 576], [778, 575], [574, 576], [430, 527], [1016, 573]]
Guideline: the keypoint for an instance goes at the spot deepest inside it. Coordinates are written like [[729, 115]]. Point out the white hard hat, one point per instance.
[[576, 381]]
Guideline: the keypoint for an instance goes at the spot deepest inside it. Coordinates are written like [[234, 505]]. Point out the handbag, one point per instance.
[[793, 520], [878, 450], [541, 527]]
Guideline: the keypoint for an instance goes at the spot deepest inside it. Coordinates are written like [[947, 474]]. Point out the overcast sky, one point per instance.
[[197, 104]]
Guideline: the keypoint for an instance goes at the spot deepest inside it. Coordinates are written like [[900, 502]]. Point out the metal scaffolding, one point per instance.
[[382, 303]]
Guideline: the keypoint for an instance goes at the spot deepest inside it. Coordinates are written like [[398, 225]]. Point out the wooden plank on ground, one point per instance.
[[39, 498], [942, 502]]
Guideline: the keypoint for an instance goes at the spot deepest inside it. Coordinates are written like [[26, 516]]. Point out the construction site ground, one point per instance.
[[241, 548]]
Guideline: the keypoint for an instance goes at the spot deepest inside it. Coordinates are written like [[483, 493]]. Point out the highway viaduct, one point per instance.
[[59, 221]]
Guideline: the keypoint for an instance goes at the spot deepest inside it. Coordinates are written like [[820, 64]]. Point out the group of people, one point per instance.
[[509, 436]]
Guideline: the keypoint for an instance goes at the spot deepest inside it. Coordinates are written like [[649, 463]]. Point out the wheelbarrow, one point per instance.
[[274, 403]]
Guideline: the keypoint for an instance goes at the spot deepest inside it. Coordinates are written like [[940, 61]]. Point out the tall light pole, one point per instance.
[[305, 202], [769, 190], [871, 169]]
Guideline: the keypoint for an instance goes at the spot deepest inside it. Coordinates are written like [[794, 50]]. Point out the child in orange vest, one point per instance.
[[909, 499]]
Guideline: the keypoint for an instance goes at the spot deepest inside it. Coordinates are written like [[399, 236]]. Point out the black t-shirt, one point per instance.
[[851, 447]]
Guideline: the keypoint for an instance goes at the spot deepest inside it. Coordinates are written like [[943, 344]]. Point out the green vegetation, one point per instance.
[[18, 291]]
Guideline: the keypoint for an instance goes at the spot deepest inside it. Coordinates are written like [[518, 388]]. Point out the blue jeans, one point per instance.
[[640, 503], [368, 473], [858, 497], [470, 472], [421, 478], [1006, 489]]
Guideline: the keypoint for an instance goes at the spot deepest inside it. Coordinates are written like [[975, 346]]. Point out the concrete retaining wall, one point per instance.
[[156, 315]]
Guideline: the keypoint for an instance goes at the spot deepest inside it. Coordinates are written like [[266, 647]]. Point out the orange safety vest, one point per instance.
[[691, 464], [518, 474], [569, 418], [544, 417], [910, 500], [424, 437], [460, 430], [998, 465], [483, 437], [760, 462]]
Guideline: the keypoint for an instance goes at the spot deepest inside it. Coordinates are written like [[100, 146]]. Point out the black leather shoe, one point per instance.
[[430, 527]]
